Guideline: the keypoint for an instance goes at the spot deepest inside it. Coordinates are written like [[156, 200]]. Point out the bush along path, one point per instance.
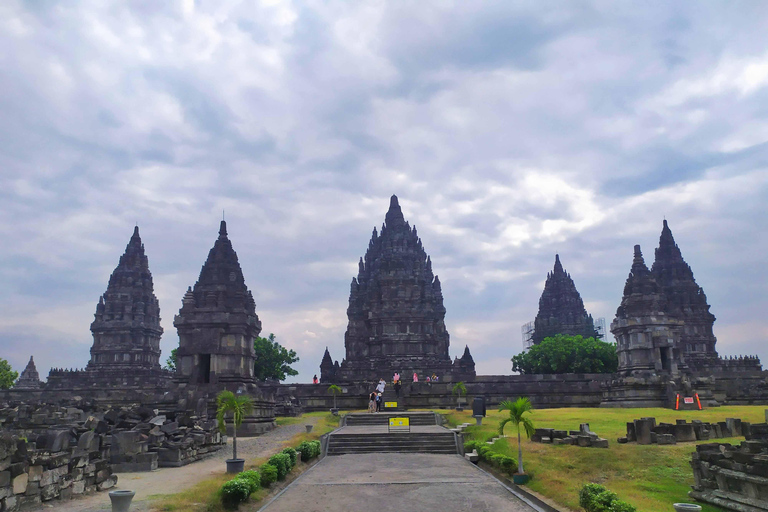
[[239, 489]]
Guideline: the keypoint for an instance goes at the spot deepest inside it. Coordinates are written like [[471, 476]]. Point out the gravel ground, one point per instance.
[[173, 480]]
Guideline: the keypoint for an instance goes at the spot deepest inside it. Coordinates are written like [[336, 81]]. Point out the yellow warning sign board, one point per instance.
[[390, 404], [399, 422]]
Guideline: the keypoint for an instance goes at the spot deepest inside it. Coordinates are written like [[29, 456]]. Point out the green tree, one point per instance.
[[239, 406], [170, 363], [567, 354], [272, 359], [334, 390], [7, 375], [517, 416], [459, 389]]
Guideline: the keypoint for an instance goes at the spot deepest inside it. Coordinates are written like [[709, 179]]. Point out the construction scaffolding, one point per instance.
[[527, 332]]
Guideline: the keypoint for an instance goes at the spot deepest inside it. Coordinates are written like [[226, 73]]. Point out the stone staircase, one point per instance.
[[368, 433], [382, 418]]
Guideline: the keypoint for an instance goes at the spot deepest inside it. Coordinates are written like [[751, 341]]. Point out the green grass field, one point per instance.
[[649, 477]]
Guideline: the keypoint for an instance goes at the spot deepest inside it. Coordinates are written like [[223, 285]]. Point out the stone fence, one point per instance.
[[56, 464]]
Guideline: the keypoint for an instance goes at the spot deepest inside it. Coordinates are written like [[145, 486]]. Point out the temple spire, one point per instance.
[[223, 229], [395, 214]]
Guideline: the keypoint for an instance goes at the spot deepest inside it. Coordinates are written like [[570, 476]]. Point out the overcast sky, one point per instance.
[[510, 131]]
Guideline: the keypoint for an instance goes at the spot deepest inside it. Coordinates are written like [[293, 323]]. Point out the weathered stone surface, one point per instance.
[[20, 483], [685, 433], [396, 312], [561, 310], [29, 378], [643, 431], [217, 322]]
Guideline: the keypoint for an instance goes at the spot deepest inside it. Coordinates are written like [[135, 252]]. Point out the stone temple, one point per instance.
[[561, 310], [126, 332], [396, 312]]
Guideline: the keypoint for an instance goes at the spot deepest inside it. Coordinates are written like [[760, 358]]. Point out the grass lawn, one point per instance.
[[649, 477], [204, 496]]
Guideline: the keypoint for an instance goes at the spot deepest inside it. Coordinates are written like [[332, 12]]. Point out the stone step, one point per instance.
[[365, 449]]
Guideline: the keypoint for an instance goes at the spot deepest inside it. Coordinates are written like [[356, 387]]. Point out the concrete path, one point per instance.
[[387, 482], [174, 480]]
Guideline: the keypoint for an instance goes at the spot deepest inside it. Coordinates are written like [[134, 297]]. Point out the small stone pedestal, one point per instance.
[[121, 500], [479, 420]]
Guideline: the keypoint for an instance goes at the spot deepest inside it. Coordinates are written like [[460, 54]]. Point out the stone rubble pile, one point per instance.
[[646, 431], [734, 477], [583, 437], [59, 463], [137, 438]]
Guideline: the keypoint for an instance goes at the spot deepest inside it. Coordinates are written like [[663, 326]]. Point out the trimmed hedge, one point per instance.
[[505, 463], [308, 450], [268, 474], [292, 455], [252, 477], [596, 498], [282, 461], [234, 492]]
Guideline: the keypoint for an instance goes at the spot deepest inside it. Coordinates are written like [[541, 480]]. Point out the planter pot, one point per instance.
[[686, 507], [121, 500], [235, 465], [335, 412], [520, 479], [459, 408], [309, 428]]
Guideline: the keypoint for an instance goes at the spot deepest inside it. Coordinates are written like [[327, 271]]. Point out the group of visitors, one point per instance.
[[429, 379], [375, 398]]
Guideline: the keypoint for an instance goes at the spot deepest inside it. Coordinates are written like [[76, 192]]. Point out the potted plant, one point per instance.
[[517, 416], [334, 390], [460, 389], [240, 406]]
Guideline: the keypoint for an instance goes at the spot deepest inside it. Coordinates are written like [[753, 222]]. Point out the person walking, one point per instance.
[[378, 402], [372, 402], [380, 387], [397, 388], [415, 377]]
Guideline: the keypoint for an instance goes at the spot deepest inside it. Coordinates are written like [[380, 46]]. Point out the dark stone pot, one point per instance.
[[121, 500], [686, 507], [309, 428], [520, 479], [335, 412], [235, 465]]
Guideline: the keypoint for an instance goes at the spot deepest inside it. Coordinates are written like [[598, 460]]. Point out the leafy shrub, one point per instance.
[[292, 455], [587, 495], [252, 477], [603, 501], [235, 492], [282, 461], [507, 464], [621, 506], [308, 450], [268, 474], [471, 446]]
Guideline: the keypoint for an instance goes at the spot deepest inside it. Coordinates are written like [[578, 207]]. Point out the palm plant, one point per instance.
[[240, 406], [459, 389], [334, 390], [517, 416]]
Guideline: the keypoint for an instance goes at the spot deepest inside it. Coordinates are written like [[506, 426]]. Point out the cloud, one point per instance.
[[509, 132]]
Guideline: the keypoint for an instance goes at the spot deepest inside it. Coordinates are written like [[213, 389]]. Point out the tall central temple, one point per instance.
[[396, 313]]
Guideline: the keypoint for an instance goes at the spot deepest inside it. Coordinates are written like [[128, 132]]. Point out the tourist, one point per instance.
[[415, 377], [397, 388], [396, 377], [380, 387], [378, 402], [428, 379], [314, 380], [372, 402], [434, 377]]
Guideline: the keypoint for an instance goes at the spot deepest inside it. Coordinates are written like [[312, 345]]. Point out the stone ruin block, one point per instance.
[[685, 433], [643, 430], [666, 439]]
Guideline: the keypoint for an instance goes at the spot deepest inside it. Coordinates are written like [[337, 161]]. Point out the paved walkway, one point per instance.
[[387, 482], [174, 480]]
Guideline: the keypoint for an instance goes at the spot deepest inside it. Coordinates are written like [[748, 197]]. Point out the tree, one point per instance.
[[272, 359], [7, 375], [567, 354], [334, 390], [170, 363], [240, 406], [459, 389], [517, 411]]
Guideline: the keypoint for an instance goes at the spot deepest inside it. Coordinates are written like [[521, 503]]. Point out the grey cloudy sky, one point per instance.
[[509, 130]]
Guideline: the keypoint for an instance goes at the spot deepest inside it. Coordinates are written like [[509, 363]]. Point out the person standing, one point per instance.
[[415, 377], [380, 387], [378, 402], [314, 380], [397, 388], [372, 402], [396, 378]]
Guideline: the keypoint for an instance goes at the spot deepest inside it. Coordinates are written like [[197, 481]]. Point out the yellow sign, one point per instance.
[[390, 404], [398, 422]]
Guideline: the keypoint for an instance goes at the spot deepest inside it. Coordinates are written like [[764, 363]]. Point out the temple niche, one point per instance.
[[561, 310], [396, 313]]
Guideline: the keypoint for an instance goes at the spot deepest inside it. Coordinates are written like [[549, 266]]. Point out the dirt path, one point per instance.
[[173, 480]]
